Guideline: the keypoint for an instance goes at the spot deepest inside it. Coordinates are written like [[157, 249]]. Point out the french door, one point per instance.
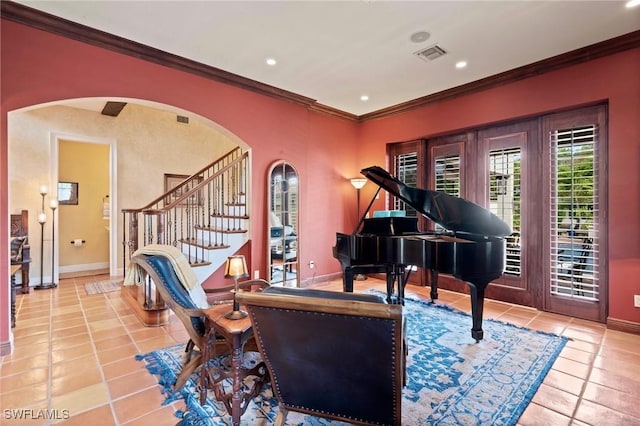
[[574, 217], [506, 186], [545, 177]]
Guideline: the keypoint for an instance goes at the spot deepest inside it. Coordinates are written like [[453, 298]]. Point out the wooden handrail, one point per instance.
[[150, 206], [179, 220]]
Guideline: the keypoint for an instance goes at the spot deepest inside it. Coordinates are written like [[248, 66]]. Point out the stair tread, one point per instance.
[[222, 231], [196, 263], [202, 244]]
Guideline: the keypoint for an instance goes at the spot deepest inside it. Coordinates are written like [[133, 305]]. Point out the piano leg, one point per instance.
[[391, 279], [402, 280], [396, 274], [434, 285], [347, 280], [477, 307]]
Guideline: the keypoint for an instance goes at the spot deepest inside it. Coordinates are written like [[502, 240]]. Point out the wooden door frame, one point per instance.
[[565, 305]]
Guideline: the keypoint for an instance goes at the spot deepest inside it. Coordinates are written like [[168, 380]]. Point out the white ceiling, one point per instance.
[[336, 51]]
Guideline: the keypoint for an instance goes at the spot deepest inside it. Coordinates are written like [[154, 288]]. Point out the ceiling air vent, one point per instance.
[[112, 109], [430, 53]]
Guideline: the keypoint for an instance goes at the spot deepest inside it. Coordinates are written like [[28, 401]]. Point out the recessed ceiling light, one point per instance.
[[419, 37], [632, 3], [271, 61], [364, 98], [461, 64]]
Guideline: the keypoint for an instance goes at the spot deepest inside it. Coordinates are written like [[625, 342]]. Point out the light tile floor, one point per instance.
[[75, 352]]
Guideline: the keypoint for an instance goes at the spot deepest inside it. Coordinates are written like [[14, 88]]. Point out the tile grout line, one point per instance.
[[116, 421], [91, 342], [135, 344], [50, 358], [588, 378]]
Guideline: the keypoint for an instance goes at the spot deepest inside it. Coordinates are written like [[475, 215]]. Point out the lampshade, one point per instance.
[[42, 218], [358, 183], [53, 203], [43, 190], [236, 267]]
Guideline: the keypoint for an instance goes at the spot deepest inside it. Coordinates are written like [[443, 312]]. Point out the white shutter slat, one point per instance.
[[574, 209], [406, 170], [504, 200]]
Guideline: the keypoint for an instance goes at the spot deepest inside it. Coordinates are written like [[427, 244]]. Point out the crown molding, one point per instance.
[[574, 57], [37, 19], [53, 24]]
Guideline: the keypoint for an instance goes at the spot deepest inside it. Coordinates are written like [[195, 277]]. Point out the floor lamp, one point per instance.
[[53, 204], [42, 219], [358, 183]]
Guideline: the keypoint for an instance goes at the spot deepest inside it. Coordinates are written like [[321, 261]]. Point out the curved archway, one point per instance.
[[145, 141]]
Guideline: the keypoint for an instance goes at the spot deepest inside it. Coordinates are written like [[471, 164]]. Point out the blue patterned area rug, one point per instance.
[[451, 379]]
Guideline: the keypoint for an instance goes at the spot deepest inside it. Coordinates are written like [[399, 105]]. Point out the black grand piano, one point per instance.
[[470, 246]]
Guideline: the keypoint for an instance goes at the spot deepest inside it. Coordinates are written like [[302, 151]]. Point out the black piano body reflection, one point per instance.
[[470, 246]]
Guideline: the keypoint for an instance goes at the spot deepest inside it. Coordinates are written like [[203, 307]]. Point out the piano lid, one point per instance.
[[452, 213]]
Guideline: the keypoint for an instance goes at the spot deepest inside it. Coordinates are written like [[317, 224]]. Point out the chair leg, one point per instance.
[[186, 371], [190, 346], [281, 418]]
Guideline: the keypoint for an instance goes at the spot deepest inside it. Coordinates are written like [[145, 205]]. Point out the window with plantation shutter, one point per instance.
[[405, 160], [504, 199], [405, 168], [447, 174], [574, 211]]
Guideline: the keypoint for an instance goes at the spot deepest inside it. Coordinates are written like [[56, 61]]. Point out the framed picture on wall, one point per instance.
[[173, 180], [68, 193]]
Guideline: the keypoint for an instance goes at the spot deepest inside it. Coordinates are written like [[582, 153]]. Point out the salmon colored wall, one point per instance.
[[613, 79], [39, 67]]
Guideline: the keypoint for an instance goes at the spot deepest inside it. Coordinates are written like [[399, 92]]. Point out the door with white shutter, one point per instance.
[[574, 241]]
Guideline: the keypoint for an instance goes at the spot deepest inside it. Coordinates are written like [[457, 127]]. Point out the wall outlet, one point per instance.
[[636, 300], [256, 274], [312, 264]]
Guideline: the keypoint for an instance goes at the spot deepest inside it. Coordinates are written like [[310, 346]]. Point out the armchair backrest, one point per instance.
[[331, 354], [173, 292], [188, 305]]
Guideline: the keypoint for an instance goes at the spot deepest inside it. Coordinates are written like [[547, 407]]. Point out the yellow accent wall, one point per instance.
[[88, 165]]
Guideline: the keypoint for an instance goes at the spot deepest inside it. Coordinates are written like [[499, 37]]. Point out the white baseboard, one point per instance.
[[84, 267]]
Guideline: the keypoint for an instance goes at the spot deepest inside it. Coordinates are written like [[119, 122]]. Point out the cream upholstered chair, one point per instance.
[[331, 354], [190, 308]]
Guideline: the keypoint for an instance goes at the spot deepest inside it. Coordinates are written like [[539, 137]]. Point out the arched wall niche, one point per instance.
[[283, 244]]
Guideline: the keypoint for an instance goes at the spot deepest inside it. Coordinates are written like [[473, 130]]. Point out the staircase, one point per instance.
[[205, 215]]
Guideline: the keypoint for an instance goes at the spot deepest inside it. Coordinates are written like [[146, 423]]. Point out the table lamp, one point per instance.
[[236, 268]]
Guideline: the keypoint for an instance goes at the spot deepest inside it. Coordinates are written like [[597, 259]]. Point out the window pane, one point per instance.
[[504, 199], [447, 174], [574, 210], [406, 170]]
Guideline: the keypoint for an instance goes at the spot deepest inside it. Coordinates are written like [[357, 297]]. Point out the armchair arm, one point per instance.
[[222, 294]]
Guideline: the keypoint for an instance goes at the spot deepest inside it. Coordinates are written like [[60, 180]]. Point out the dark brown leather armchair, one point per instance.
[[331, 354]]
